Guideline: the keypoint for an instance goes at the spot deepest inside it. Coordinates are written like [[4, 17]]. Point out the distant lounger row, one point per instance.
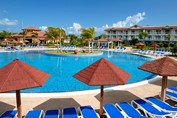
[[158, 52], [68, 47], [120, 49], [149, 107]]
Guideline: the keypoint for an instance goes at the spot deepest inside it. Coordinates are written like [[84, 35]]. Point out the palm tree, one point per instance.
[[35, 36], [56, 34], [89, 34], [168, 38], [143, 35], [73, 39], [24, 33], [4, 34]]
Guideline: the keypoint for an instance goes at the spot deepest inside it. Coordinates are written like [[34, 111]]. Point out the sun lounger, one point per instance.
[[171, 95], [69, 113], [34, 114], [129, 110], [163, 106], [9, 114], [172, 89], [112, 112], [88, 112], [52, 114], [148, 109]]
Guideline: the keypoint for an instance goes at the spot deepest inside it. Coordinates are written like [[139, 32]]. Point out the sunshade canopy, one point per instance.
[[116, 40], [139, 44], [164, 66], [154, 45], [102, 72], [18, 75]]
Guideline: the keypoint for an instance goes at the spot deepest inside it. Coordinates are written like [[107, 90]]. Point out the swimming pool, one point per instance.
[[62, 68]]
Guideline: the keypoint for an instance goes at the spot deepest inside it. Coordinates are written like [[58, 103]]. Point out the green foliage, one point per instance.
[[73, 39], [88, 33], [4, 34], [101, 36], [133, 41], [143, 35], [168, 38], [174, 50]]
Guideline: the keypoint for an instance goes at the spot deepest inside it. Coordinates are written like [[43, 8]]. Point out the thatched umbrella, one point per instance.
[[154, 45], [116, 40], [101, 73], [139, 45], [17, 76], [164, 67]]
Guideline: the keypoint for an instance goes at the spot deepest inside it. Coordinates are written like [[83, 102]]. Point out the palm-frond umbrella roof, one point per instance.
[[140, 44], [154, 45], [102, 40]]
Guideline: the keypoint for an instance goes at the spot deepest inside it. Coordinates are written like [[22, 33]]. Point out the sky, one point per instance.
[[75, 14]]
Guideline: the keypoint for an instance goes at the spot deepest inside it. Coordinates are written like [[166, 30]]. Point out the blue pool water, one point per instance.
[[62, 68]]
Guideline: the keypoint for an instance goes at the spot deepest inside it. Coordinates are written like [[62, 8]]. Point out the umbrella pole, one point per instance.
[[164, 87], [18, 100], [101, 99]]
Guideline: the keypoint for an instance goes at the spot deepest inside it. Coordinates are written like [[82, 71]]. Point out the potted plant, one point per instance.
[[76, 51]]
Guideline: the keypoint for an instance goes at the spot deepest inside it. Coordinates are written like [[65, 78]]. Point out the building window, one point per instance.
[[175, 31]]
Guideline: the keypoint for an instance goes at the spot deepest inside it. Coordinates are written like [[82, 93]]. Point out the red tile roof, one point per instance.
[[102, 72], [18, 75], [164, 66], [116, 40], [31, 28], [102, 40]]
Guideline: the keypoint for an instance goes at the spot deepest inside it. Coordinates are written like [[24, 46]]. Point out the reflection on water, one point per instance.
[[62, 68]]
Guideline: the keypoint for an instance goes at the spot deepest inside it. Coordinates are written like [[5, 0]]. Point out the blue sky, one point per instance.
[[74, 14]]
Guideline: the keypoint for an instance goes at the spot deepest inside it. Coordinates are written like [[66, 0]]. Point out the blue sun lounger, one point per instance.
[[163, 106], [112, 112], [171, 95], [69, 113], [129, 110], [52, 114], [9, 114], [34, 114], [148, 109], [88, 112], [172, 89]]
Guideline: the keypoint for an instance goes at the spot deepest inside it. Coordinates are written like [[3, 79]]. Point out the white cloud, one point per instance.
[[8, 22], [130, 20], [43, 28], [74, 29]]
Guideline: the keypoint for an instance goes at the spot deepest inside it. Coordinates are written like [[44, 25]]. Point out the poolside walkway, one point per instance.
[[38, 102]]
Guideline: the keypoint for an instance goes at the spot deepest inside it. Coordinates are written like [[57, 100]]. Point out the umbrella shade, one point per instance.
[[18, 75], [140, 44], [102, 72], [163, 67], [155, 45], [14, 42], [102, 40], [5, 41], [116, 40]]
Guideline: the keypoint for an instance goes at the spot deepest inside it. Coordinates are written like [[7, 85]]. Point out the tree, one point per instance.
[[34, 35], [133, 41], [4, 34], [89, 34], [143, 35], [24, 33], [56, 34], [73, 39], [168, 38]]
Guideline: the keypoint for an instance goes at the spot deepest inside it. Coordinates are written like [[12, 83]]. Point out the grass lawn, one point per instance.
[[71, 52]]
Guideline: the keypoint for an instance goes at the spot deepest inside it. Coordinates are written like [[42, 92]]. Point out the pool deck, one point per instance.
[[54, 101]]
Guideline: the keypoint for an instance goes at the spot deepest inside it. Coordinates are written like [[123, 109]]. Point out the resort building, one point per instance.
[[155, 33], [31, 35]]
